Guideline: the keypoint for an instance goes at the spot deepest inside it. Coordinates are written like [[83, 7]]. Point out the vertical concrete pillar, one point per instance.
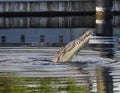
[[104, 25], [103, 17]]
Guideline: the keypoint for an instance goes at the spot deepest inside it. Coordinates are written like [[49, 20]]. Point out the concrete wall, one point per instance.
[[51, 35], [33, 35], [77, 32]]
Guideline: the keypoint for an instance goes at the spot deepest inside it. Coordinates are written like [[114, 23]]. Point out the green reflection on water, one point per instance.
[[40, 85]]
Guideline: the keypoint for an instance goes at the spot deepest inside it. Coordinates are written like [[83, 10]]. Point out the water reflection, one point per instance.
[[107, 50], [104, 80], [28, 72], [40, 85]]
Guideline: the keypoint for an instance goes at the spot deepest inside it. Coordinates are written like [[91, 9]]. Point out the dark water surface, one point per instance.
[[28, 70]]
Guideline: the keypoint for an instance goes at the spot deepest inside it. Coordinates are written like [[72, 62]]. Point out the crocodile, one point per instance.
[[66, 53]]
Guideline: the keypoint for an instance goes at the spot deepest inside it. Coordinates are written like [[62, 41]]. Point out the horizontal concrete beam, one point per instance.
[[50, 14], [39, 0], [44, 14]]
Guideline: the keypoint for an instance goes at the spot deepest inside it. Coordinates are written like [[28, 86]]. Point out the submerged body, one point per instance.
[[66, 53]]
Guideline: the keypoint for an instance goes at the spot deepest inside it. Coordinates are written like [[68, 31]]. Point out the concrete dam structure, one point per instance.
[[51, 13]]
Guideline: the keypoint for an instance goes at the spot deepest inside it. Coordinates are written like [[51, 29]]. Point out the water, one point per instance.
[[29, 70]]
